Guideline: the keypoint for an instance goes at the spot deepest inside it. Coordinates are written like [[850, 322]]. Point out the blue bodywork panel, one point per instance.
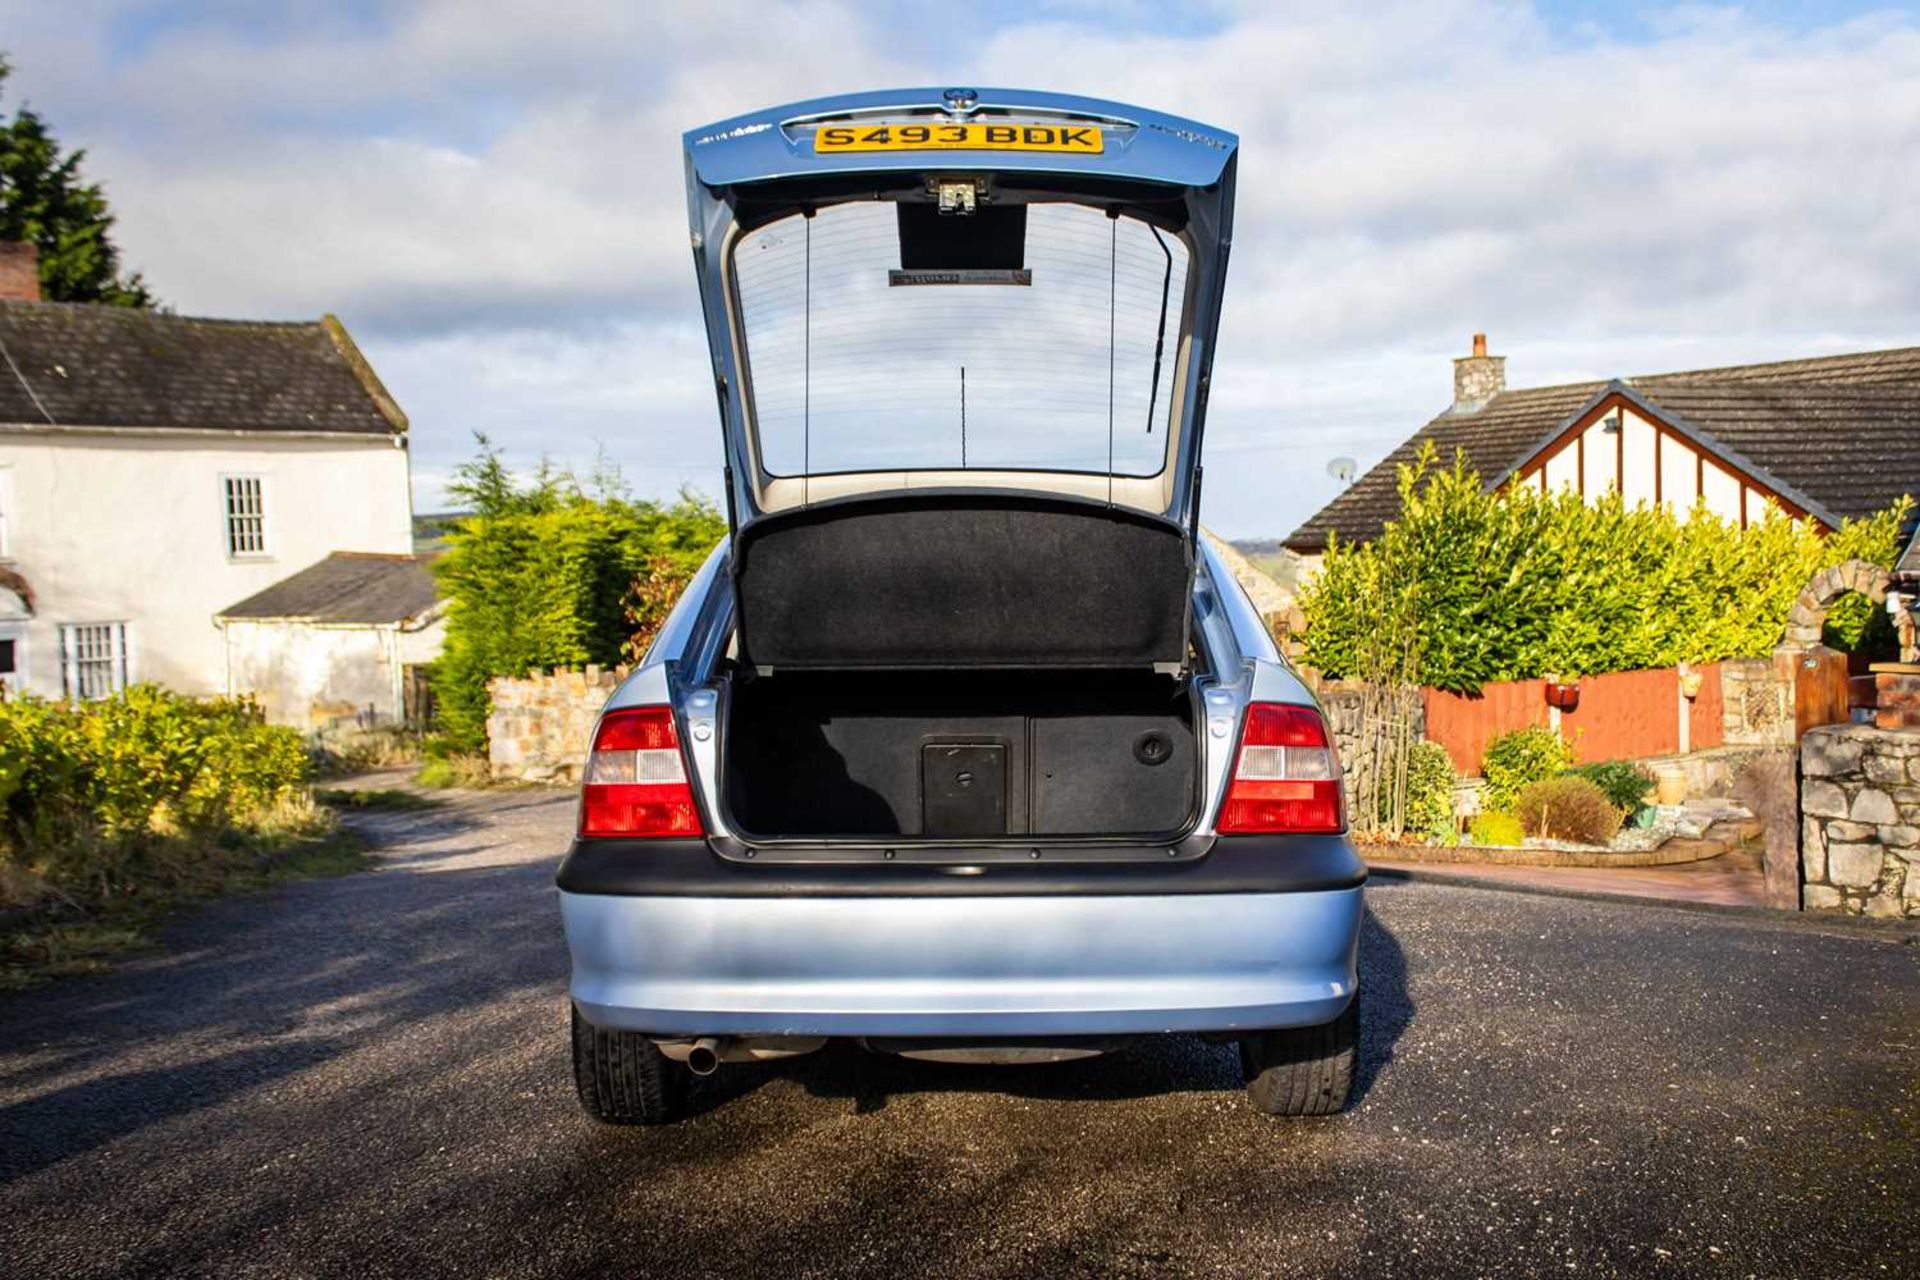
[[1141, 145], [740, 167]]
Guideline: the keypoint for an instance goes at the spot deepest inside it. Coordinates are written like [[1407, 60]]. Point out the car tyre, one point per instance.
[[623, 1079], [1303, 1071]]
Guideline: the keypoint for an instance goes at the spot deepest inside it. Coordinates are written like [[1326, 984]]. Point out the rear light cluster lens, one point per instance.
[[635, 782], [1287, 777]]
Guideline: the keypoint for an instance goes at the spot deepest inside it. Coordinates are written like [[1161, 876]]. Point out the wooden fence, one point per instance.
[[1628, 715]]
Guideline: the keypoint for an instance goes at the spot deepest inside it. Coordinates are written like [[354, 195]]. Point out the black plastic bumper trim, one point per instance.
[[690, 869]]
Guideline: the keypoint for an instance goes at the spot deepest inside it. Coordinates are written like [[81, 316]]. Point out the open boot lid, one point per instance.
[[961, 342]]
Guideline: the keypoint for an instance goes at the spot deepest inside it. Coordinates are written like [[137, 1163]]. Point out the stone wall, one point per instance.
[[537, 730], [1712, 772], [1860, 820], [1347, 704]]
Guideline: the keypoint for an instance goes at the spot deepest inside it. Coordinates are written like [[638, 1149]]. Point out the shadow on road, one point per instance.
[[250, 991], [1387, 1004]]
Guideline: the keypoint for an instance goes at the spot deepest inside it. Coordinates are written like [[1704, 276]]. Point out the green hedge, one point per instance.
[[545, 574], [96, 796], [1516, 584]]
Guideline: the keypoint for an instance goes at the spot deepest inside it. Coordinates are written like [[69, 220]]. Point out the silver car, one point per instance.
[[963, 745]]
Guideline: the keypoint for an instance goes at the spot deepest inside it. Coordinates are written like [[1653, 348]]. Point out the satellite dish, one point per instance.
[[1342, 469]]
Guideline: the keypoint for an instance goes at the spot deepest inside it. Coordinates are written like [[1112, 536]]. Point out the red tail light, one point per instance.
[[635, 782], [1287, 777]]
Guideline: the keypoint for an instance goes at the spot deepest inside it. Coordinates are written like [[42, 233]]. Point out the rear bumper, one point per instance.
[[1006, 965]]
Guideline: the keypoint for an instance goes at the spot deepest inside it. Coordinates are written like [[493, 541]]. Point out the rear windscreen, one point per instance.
[[1043, 342]]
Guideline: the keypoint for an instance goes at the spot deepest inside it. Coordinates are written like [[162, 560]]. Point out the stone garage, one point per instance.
[[341, 645]]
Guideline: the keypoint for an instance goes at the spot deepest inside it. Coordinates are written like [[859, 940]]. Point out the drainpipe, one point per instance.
[[226, 648], [396, 695]]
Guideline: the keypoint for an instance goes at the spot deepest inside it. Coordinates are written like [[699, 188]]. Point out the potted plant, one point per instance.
[[1563, 695]]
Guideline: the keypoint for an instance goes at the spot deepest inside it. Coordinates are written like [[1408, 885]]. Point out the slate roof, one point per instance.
[[348, 588], [1841, 431], [77, 365]]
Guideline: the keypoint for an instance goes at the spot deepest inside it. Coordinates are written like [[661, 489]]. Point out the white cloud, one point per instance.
[[635, 392], [490, 194]]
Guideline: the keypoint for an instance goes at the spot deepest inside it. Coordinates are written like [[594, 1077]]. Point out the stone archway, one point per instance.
[[1809, 613]]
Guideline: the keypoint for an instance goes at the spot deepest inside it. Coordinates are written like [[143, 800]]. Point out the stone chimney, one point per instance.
[[19, 272], [1478, 378]]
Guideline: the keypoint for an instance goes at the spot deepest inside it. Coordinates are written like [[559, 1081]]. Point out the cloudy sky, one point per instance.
[[489, 193]]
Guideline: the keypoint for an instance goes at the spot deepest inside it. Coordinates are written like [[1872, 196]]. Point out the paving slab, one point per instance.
[[1733, 879]]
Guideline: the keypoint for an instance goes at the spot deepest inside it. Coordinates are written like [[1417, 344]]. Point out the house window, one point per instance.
[[246, 515], [10, 664], [93, 659]]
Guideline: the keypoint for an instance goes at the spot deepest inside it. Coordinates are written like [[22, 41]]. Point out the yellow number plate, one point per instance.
[[1083, 139]]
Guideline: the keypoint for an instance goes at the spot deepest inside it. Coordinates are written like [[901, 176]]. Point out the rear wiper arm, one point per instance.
[[1160, 335]]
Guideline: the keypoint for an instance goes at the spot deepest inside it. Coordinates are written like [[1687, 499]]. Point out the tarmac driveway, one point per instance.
[[368, 1077]]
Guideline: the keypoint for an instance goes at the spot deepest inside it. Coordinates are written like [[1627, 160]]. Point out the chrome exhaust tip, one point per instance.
[[703, 1056]]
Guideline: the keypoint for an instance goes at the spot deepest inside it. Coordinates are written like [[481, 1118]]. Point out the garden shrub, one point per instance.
[[1430, 780], [1514, 760], [545, 574], [112, 797], [650, 599], [1516, 584], [1626, 787], [1567, 808], [1495, 830]]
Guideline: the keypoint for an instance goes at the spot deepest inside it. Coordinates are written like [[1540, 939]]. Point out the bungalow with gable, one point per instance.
[[1827, 439]]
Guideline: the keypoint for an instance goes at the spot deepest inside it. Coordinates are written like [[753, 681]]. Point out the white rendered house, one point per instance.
[[154, 469]]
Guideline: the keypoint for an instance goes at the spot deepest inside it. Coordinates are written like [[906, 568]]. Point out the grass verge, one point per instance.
[[394, 799], [55, 939], [451, 772]]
